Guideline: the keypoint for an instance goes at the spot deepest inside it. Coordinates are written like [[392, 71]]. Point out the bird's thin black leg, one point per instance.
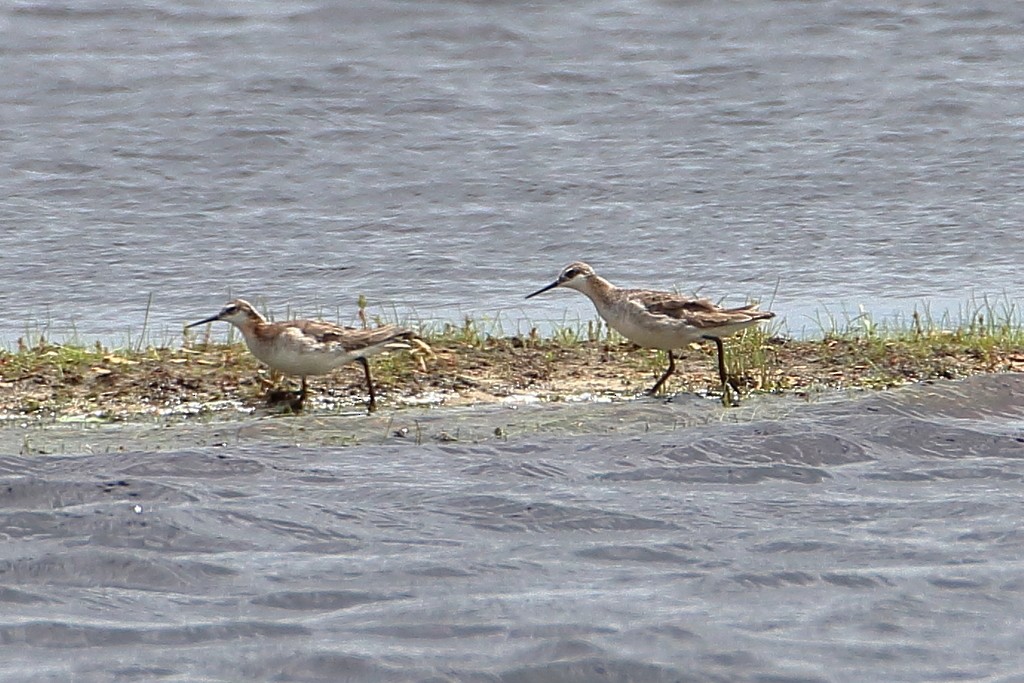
[[722, 374], [727, 385], [372, 404], [671, 369]]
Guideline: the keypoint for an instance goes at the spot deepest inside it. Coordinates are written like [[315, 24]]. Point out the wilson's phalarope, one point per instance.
[[659, 320], [311, 347]]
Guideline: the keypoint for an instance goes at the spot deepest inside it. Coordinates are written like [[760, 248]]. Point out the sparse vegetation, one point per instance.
[[477, 362]]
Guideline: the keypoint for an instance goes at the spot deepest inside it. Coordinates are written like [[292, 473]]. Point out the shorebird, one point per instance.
[[312, 347], [659, 320]]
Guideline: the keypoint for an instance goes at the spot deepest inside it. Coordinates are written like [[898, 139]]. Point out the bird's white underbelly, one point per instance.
[[300, 362], [663, 337], [662, 332], [653, 332]]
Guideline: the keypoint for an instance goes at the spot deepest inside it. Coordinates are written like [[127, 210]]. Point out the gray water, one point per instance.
[[446, 158], [873, 538]]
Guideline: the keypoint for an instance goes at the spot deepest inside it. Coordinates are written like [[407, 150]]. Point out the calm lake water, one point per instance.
[[447, 158]]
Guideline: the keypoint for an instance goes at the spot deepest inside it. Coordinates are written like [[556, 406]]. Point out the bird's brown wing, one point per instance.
[[350, 338], [699, 312]]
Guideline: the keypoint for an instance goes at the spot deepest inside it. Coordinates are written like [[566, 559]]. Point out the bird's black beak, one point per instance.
[[544, 289], [211, 319]]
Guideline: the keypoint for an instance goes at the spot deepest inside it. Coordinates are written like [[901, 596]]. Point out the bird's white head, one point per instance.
[[238, 312], [574, 276]]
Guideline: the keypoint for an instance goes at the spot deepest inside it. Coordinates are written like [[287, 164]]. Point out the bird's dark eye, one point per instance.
[[230, 310], [570, 274]]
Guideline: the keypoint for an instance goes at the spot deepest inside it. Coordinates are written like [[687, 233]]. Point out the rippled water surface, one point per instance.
[[870, 538], [448, 157]]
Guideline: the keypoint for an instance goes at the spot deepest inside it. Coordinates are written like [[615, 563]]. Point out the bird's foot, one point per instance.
[[292, 400], [656, 389], [731, 393]]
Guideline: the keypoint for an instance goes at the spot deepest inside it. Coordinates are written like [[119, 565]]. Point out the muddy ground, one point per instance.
[[52, 383]]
